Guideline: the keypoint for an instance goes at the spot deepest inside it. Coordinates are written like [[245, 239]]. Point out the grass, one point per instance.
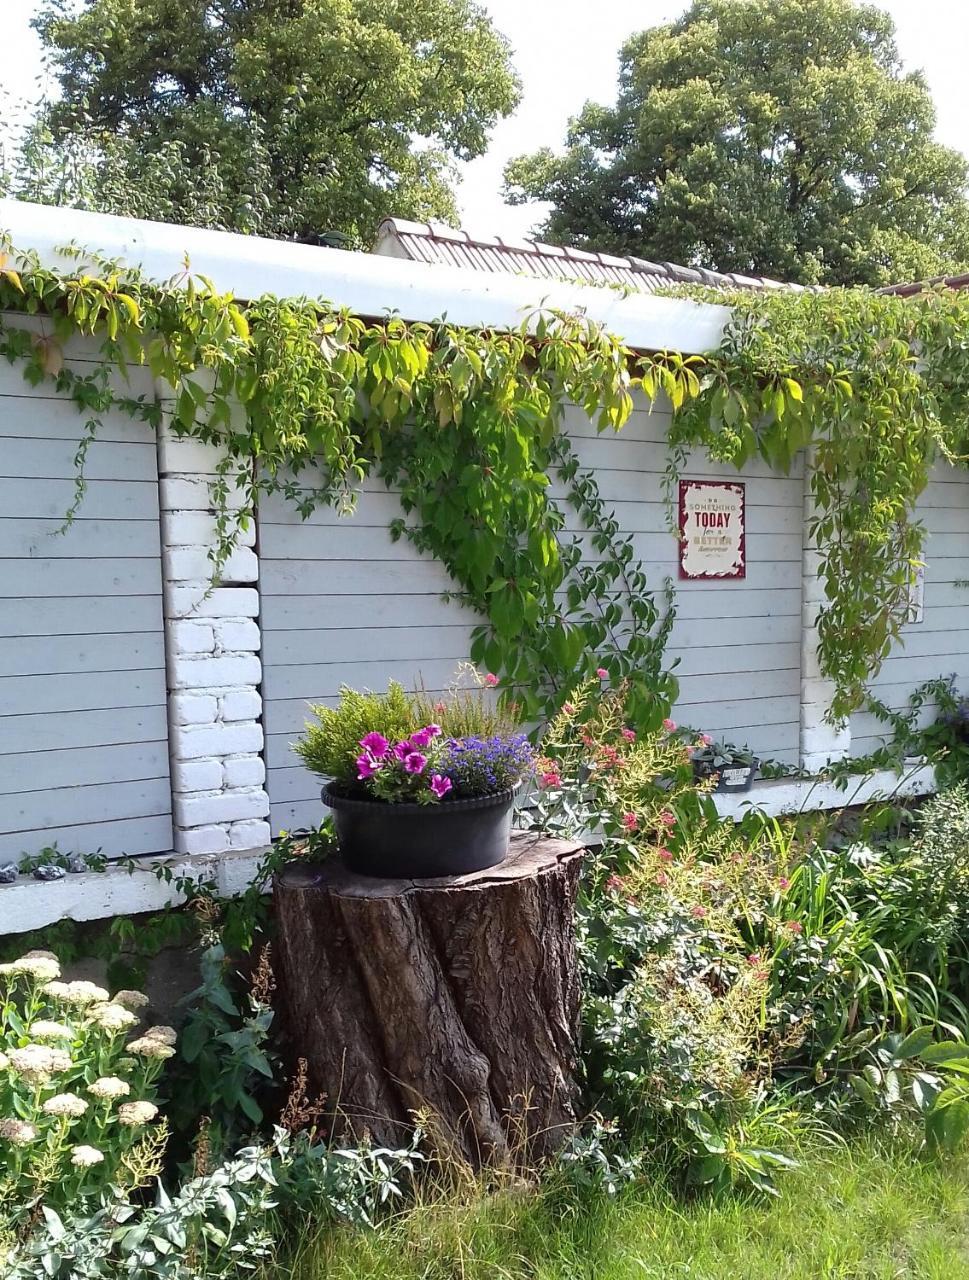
[[860, 1213]]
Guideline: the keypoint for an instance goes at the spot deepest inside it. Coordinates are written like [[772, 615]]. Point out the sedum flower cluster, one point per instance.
[[76, 1094]]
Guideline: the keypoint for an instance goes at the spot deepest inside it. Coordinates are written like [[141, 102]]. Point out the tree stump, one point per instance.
[[456, 999]]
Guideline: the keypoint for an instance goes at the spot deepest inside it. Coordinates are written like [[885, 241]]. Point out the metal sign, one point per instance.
[[712, 540]]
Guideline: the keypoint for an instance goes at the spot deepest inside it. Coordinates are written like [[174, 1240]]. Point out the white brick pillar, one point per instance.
[[214, 671], [821, 741]]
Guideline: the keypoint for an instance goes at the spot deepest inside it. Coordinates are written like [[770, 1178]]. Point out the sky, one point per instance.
[[565, 59]]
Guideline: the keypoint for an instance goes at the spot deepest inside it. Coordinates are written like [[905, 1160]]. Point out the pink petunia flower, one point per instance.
[[440, 785], [367, 766], [629, 735], [602, 673], [630, 821], [422, 737], [669, 725], [376, 744], [415, 762], [402, 749], [491, 679]]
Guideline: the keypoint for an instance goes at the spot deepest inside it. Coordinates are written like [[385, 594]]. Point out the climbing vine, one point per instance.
[[465, 425], [876, 389]]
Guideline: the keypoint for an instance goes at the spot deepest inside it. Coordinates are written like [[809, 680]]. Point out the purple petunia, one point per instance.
[[367, 766], [376, 744], [440, 786], [402, 750], [415, 762], [422, 738]]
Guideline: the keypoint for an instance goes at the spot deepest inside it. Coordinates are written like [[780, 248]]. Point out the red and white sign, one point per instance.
[[712, 529]]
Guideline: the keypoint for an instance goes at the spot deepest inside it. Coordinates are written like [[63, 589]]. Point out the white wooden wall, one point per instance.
[[83, 721], [343, 604], [939, 644]]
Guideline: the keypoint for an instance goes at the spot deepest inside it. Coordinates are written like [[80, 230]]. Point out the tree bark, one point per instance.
[[455, 1001]]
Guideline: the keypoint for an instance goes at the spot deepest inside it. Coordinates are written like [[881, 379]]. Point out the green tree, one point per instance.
[[290, 118], [774, 137]]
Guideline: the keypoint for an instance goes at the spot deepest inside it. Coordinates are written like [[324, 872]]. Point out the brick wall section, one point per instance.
[[214, 670]]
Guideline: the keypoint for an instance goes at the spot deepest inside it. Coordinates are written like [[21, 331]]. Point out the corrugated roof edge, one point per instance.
[[917, 286], [445, 240]]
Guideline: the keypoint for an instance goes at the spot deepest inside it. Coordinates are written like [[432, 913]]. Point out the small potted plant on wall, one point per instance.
[[418, 788], [734, 767]]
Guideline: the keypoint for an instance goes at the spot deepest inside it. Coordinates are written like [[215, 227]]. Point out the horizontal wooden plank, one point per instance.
[[53, 655], [373, 644], [41, 771], [916, 669], [114, 839], [35, 811], [87, 691], [693, 633], [81, 615], [718, 717], [353, 577], [40, 731], [48, 539], [293, 784], [919, 641], [737, 660], [644, 456], [778, 602], [103, 499], [49, 416], [343, 612], [302, 816], [108, 577], [755, 685], [54, 459], [321, 681]]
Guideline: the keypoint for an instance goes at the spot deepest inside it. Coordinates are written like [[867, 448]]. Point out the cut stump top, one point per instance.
[[531, 854]]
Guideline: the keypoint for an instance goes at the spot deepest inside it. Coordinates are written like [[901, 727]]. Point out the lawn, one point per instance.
[[858, 1213]]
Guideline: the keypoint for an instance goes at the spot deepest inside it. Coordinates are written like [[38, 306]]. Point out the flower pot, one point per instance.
[[733, 777], [421, 841]]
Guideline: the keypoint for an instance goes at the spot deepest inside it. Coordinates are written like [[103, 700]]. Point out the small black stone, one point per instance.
[[8, 873], [49, 872]]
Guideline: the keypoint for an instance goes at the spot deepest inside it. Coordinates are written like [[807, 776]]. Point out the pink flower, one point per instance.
[[440, 785], [662, 879], [630, 821], [568, 708], [794, 926], [402, 750], [615, 884], [783, 883], [698, 913], [664, 854], [415, 762], [367, 766], [669, 725], [491, 680], [423, 736], [440, 708], [602, 673], [550, 779], [376, 744], [667, 819], [706, 739], [753, 959], [629, 735]]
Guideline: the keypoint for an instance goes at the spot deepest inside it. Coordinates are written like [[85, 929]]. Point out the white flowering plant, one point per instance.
[[78, 1092]]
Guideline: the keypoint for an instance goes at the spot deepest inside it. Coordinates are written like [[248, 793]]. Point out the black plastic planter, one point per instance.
[[421, 841]]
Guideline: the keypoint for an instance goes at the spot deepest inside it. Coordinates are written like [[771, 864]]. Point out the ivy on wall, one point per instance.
[[465, 425]]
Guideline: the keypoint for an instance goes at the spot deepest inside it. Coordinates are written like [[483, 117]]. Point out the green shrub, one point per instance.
[[330, 747]]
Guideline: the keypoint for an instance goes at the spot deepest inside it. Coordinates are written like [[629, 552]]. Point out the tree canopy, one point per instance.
[[774, 137], [290, 118]]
